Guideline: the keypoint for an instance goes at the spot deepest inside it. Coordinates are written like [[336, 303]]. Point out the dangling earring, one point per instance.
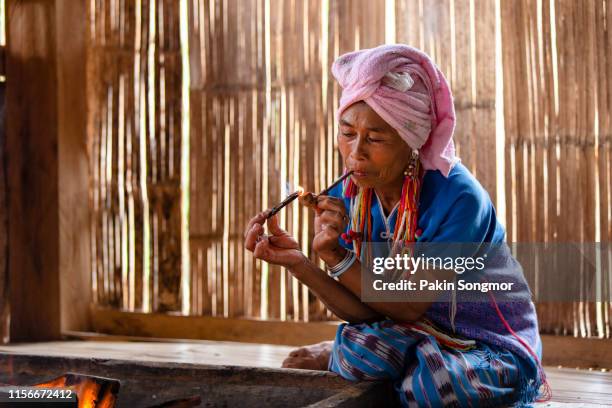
[[407, 221], [412, 168]]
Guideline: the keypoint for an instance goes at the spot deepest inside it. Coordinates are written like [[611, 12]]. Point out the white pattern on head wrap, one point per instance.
[[402, 81]]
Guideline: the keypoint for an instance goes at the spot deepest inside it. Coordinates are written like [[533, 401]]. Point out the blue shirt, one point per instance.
[[458, 209], [453, 209]]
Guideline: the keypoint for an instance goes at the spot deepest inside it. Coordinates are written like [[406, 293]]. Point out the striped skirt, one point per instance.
[[429, 369]]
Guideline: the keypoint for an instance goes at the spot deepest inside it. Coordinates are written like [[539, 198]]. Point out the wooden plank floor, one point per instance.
[[570, 387], [192, 352]]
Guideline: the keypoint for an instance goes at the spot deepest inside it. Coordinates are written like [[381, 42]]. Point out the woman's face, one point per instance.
[[371, 148]]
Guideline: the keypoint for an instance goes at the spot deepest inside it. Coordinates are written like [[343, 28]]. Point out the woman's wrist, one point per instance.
[[344, 265], [334, 257], [297, 264], [331, 259], [302, 268]]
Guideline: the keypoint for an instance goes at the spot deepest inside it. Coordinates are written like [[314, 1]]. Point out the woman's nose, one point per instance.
[[358, 148]]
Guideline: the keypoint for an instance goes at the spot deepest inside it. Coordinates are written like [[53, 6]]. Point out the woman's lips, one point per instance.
[[360, 174]]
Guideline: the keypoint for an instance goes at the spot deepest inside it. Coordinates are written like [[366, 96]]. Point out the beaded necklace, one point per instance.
[[406, 225]]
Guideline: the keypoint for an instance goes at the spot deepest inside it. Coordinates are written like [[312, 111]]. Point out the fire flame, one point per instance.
[[92, 392], [300, 190]]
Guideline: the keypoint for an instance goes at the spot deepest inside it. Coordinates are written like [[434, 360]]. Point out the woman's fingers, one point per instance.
[[285, 242], [331, 220], [252, 236], [330, 232], [273, 226], [322, 203], [336, 220], [280, 238], [326, 240], [333, 212], [258, 219], [331, 204], [321, 225], [262, 249], [308, 199], [263, 245]]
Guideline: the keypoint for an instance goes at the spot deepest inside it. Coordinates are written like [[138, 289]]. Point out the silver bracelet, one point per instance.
[[342, 266]]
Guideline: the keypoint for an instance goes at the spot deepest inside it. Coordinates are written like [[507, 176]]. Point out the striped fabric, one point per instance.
[[429, 373]]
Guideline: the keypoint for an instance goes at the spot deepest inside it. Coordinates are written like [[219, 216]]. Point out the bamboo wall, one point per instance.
[[262, 124], [135, 126], [267, 121], [260, 105], [460, 37], [557, 121]]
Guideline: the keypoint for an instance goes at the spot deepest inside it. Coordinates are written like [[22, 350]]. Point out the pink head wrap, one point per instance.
[[406, 89]]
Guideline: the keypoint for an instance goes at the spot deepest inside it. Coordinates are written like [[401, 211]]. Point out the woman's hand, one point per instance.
[[330, 222], [278, 248]]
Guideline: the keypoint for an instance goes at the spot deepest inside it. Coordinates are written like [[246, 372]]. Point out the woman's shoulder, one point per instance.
[[459, 185], [459, 181], [457, 208]]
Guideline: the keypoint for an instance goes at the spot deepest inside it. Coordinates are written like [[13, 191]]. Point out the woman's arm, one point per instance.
[[281, 249], [329, 222], [335, 296], [397, 311]]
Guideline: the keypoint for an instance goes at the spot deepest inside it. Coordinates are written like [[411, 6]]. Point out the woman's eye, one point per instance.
[[347, 134]]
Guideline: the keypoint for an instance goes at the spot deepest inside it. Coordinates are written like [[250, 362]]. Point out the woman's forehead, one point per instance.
[[360, 114]]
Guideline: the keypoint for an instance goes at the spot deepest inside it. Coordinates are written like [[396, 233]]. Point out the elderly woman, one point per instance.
[[396, 121]]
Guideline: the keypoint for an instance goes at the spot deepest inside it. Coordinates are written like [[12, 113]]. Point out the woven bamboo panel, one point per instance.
[[262, 101], [460, 37], [135, 128], [252, 136], [261, 104], [556, 115]]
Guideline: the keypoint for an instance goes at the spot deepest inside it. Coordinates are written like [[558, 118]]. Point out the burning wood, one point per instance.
[[91, 391]]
